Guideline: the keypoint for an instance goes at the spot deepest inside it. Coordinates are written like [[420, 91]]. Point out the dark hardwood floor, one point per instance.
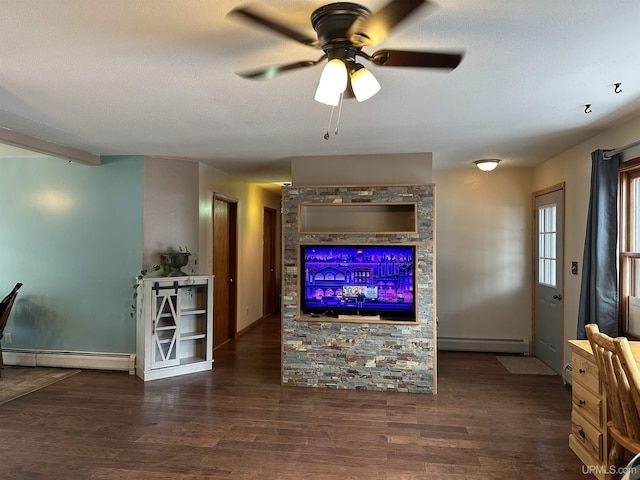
[[237, 422]]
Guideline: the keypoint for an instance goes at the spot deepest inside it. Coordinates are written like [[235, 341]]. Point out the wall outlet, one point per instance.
[[7, 338]]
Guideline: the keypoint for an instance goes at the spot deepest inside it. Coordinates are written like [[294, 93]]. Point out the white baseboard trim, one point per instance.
[[125, 362], [497, 345]]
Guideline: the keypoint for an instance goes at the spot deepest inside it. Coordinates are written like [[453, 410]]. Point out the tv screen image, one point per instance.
[[365, 280]]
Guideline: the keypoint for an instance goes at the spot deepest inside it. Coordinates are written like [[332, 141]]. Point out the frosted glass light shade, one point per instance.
[[363, 83], [333, 81], [327, 97], [487, 164]]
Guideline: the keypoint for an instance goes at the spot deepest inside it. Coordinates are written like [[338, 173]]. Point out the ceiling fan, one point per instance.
[[343, 29]]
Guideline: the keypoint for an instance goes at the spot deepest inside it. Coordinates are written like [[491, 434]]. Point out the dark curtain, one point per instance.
[[599, 287]]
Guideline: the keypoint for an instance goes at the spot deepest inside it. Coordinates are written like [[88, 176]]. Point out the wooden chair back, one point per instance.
[[5, 309], [620, 379]]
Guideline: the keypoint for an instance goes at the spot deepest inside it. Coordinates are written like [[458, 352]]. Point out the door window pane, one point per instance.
[[547, 259], [634, 215]]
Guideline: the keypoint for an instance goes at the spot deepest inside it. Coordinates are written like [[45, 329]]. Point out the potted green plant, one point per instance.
[[143, 273], [171, 266], [173, 262]]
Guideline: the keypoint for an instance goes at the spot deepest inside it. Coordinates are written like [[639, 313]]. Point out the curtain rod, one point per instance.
[[610, 154]]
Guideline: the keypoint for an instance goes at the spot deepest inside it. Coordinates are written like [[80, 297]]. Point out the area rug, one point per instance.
[[525, 365], [18, 381]]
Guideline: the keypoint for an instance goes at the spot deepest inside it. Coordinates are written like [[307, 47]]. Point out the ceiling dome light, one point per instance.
[[487, 164], [333, 81], [363, 83]]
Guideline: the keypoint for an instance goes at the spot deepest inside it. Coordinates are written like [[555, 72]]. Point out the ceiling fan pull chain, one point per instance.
[[326, 135], [339, 113]]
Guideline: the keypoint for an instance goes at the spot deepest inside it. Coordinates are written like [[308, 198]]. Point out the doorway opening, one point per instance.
[[270, 297]]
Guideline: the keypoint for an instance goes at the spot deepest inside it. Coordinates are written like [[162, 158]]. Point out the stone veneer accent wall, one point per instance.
[[374, 356]]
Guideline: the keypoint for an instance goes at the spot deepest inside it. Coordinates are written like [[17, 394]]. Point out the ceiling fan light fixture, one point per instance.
[[363, 83], [333, 81], [487, 164]]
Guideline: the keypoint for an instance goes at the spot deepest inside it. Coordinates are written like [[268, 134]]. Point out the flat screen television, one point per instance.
[[358, 280]]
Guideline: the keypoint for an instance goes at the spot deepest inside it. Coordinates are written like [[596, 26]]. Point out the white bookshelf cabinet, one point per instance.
[[174, 329]]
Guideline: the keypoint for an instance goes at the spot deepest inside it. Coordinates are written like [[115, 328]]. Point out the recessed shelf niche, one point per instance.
[[357, 218]]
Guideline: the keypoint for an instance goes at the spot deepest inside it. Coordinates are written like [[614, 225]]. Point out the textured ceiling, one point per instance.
[[156, 77]]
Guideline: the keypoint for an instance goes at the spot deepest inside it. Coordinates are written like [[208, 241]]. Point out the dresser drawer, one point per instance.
[[588, 436], [587, 404], [585, 371]]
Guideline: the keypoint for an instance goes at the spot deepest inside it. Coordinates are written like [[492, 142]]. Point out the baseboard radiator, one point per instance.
[[496, 345], [125, 362]]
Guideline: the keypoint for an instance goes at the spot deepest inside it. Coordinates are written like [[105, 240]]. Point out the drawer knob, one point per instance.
[[582, 370], [582, 402], [582, 434]]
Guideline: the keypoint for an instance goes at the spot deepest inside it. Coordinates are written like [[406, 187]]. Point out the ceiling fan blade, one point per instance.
[[375, 28], [273, 70], [404, 58], [251, 13]]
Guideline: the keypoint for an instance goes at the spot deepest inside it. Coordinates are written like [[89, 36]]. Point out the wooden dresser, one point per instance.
[[588, 438]]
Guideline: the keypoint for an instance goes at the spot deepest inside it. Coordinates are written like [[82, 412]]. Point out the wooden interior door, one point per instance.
[[224, 270], [269, 287]]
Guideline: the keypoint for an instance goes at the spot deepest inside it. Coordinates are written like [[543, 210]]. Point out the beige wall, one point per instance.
[[170, 209], [251, 202], [574, 168], [483, 253], [177, 212], [484, 242], [398, 169]]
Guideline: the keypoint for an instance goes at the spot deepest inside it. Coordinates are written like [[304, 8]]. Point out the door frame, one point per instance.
[[233, 257], [273, 233], [534, 241]]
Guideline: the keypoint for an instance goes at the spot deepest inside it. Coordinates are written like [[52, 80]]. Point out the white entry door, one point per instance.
[[548, 266]]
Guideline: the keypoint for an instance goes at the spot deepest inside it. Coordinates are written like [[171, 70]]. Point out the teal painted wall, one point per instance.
[[72, 234]]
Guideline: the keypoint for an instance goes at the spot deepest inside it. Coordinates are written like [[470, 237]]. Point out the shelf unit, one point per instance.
[[356, 218], [314, 350], [174, 326]]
